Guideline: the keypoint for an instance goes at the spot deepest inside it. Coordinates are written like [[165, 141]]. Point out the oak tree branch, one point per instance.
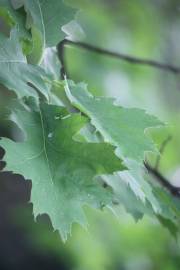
[[175, 191], [124, 57]]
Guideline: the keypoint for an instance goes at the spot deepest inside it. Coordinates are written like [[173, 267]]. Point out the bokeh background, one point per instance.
[[141, 28]]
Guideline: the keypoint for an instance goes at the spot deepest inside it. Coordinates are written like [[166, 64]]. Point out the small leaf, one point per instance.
[[15, 73]]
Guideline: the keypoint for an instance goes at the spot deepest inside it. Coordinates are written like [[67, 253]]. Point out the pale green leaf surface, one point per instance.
[[170, 210], [125, 196], [51, 63], [15, 73], [46, 18], [170, 206], [134, 191], [133, 177], [168, 216], [17, 3], [62, 170], [122, 127]]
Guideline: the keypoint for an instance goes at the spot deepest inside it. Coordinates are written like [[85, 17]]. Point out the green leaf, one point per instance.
[[170, 206], [16, 18], [46, 18], [62, 170], [51, 63], [134, 191], [136, 179], [167, 223], [125, 196], [15, 73], [169, 216], [170, 210], [122, 127], [17, 3]]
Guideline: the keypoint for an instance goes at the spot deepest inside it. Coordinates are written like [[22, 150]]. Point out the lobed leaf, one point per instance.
[[62, 170], [122, 127]]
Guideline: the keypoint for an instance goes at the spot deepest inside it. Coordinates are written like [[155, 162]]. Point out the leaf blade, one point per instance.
[[62, 170]]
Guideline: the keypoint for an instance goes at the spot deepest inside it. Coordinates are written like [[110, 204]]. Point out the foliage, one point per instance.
[[77, 149]]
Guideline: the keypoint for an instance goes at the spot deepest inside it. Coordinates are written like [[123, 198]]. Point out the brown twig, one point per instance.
[[124, 57], [175, 191], [61, 56]]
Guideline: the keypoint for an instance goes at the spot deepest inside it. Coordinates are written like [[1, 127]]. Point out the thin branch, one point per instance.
[[124, 57], [61, 56], [175, 191]]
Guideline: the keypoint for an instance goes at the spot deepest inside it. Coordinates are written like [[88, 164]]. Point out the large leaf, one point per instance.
[[125, 129], [15, 73], [122, 127], [62, 170], [46, 18]]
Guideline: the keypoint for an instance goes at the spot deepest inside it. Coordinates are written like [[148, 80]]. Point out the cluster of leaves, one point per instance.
[[76, 149]]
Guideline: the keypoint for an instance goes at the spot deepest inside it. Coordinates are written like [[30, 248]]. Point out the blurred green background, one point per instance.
[[145, 29]]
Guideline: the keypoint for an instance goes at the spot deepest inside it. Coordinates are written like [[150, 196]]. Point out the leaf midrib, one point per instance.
[[43, 26], [44, 146]]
